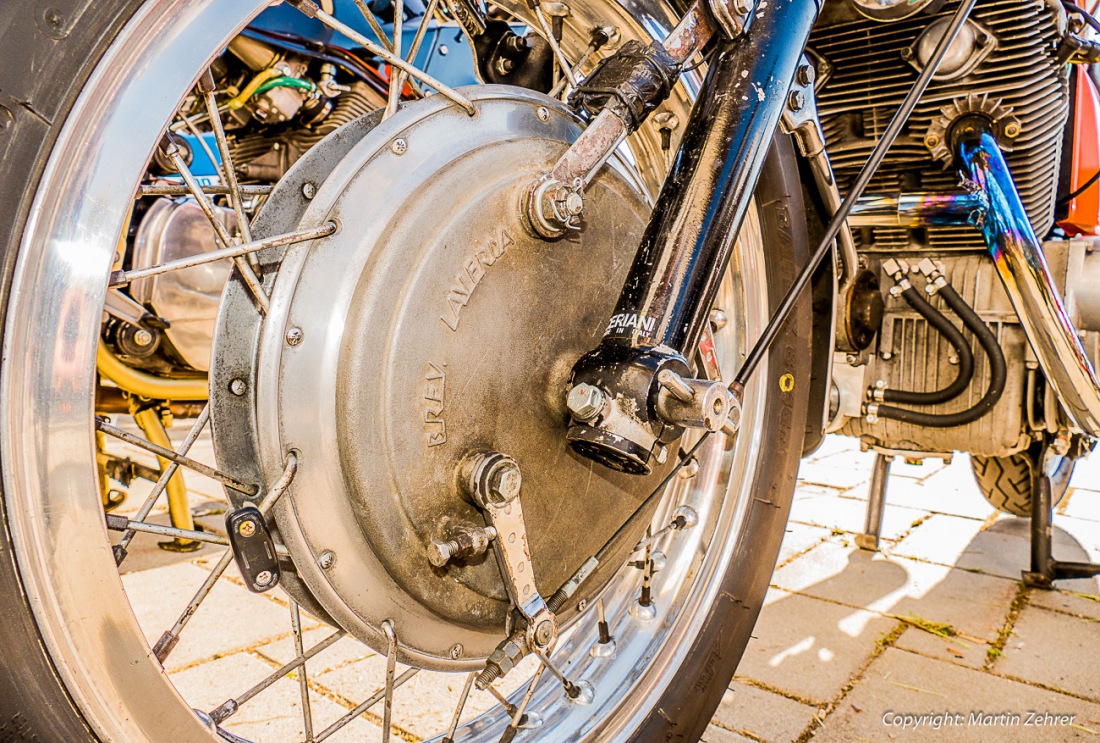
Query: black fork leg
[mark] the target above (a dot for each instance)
(687, 244)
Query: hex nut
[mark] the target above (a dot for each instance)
(585, 401)
(506, 656)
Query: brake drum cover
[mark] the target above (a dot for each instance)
(432, 325)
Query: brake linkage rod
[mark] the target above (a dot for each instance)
(771, 331)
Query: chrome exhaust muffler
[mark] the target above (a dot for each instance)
(1022, 266)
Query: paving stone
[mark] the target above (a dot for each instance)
(973, 604)
(928, 466)
(343, 651)
(810, 648)
(715, 734)
(1053, 649)
(839, 474)
(762, 714)
(828, 559)
(940, 538)
(950, 490)
(274, 714)
(229, 619)
(903, 683)
(799, 538)
(849, 515)
(966, 651)
(1082, 502)
(833, 445)
(1068, 602)
(1005, 549)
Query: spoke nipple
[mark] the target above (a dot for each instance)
(400, 146)
(294, 336)
(326, 559)
(689, 469)
(238, 387)
(646, 612)
(685, 517)
(581, 693)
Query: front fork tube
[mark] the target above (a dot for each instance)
(687, 243)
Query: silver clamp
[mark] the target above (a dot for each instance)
(800, 120)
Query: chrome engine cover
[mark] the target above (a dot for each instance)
(431, 325)
(178, 228)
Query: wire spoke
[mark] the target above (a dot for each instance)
(170, 190)
(376, 27)
(395, 75)
(303, 680)
(570, 77)
(517, 716)
(229, 707)
(171, 456)
(171, 637)
(393, 59)
(162, 482)
(369, 702)
(391, 668)
(122, 278)
(229, 172)
(450, 736)
(249, 276)
(414, 48)
(132, 526)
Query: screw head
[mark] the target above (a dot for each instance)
(456, 651)
(294, 336)
(238, 387)
(806, 74)
(264, 577)
(585, 401)
(544, 633)
(573, 204)
(543, 113)
(400, 146)
(143, 337)
(505, 480)
(326, 559)
(246, 528)
(582, 604)
(309, 189)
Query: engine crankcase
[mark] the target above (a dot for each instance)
(430, 326)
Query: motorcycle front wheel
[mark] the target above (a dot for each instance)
(90, 86)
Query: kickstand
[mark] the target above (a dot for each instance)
(1044, 568)
(876, 504)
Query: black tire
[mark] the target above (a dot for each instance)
(703, 677)
(51, 50)
(70, 36)
(1006, 482)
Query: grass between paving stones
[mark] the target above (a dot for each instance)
(1023, 594)
(886, 641)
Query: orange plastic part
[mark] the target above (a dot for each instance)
(1084, 211)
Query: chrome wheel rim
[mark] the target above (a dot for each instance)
(48, 383)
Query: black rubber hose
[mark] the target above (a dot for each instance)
(998, 373)
(953, 336)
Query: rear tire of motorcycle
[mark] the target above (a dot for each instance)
(1006, 482)
(70, 36)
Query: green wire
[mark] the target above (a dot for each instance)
(284, 82)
